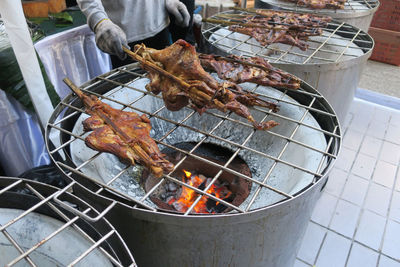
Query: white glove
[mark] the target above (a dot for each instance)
(110, 38)
(180, 12)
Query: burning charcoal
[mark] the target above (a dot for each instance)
(179, 206)
(172, 187)
(168, 194)
(170, 200)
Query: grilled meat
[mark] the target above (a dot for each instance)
(255, 69)
(320, 4)
(176, 72)
(270, 26)
(122, 133)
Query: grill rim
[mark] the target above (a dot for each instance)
(102, 187)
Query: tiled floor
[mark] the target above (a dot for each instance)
(356, 222)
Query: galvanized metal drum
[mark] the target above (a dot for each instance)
(358, 13)
(332, 64)
(36, 231)
(275, 176)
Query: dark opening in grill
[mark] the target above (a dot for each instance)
(229, 187)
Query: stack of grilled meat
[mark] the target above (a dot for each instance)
(270, 26)
(320, 4)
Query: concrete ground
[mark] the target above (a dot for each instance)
(381, 78)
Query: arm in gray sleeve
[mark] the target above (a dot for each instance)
(93, 10)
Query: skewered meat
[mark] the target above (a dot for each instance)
(176, 72)
(269, 26)
(294, 20)
(122, 133)
(320, 4)
(255, 69)
(269, 36)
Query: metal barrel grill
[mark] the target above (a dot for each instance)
(357, 13)
(35, 230)
(283, 170)
(332, 64)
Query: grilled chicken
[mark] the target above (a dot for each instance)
(176, 72)
(122, 133)
(255, 69)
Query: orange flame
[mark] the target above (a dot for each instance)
(188, 196)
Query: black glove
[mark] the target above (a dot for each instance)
(110, 38)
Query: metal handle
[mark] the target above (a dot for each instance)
(79, 213)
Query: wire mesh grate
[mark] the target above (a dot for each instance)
(167, 126)
(37, 227)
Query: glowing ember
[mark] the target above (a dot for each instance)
(188, 196)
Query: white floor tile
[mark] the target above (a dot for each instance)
(378, 198)
(334, 251)
(391, 241)
(311, 243)
(388, 262)
(362, 256)
(385, 174)
(370, 230)
(324, 209)
(355, 190)
(345, 218)
(364, 166)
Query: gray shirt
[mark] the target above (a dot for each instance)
(139, 19)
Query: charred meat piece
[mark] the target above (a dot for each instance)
(255, 69)
(122, 133)
(320, 4)
(176, 72)
(294, 20)
(269, 36)
(269, 26)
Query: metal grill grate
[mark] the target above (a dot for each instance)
(350, 6)
(36, 216)
(310, 102)
(338, 42)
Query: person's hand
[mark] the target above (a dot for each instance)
(110, 38)
(180, 12)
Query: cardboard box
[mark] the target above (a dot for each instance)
(387, 46)
(387, 16)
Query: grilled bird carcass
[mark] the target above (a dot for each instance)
(122, 133)
(320, 4)
(176, 72)
(294, 20)
(269, 26)
(256, 69)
